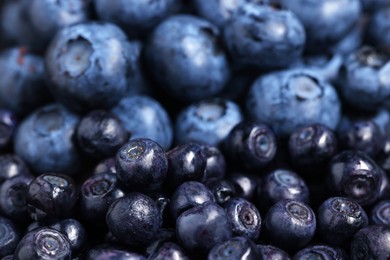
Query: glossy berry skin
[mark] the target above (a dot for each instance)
(106, 252)
(74, 231)
(269, 252)
(250, 145)
(186, 59)
(360, 134)
(100, 134)
(354, 175)
(371, 242)
(364, 78)
(215, 163)
(311, 146)
(377, 30)
(189, 194)
(223, 190)
(264, 37)
(134, 219)
(145, 117)
(44, 140)
(8, 123)
(207, 122)
(137, 18)
(245, 218)
(97, 193)
(245, 184)
(43, 243)
(281, 100)
(84, 72)
(290, 224)
(380, 213)
(282, 184)
(142, 164)
(339, 218)
(9, 236)
(11, 166)
(47, 17)
(186, 162)
(321, 20)
(202, 227)
(23, 77)
(13, 194)
(235, 248)
(51, 196)
(168, 250)
(320, 252)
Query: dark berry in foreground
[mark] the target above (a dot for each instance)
(355, 175)
(74, 231)
(223, 190)
(268, 252)
(339, 218)
(9, 236)
(11, 166)
(105, 252)
(245, 184)
(43, 243)
(371, 242)
(134, 219)
(380, 213)
(202, 227)
(168, 250)
(250, 145)
(290, 224)
(142, 164)
(188, 195)
(8, 123)
(51, 196)
(235, 248)
(215, 163)
(100, 134)
(245, 218)
(323, 252)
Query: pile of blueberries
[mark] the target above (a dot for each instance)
(194, 129)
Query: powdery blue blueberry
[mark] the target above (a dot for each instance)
(145, 117)
(290, 99)
(207, 122)
(186, 59)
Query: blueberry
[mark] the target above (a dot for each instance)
(46, 17)
(186, 59)
(363, 81)
(105, 166)
(269, 252)
(44, 140)
(22, 86)
(13, 194)
(264, 37)
(11, 166)
(245, 184)
(97, 193)
(51, 196)
(142, 164)
(8, 124)
(339, 218)
(100, 134)
(223, 190)
(351, 41)
(377, 29)
(145, 117)
(320, 252)
(186, 162)
(9, 236)
(43, 243)
(355, 175)
(235, 248)
(104, 253)
(74, 231)
(312, 146)
(89, 65)
(282, 184)
(321, 20)
(282, 101)
(372, 5)
(188, 195)
(168, 250)
(371, 242)
(245, 218)
(215, 163)
(380, 213)
(250, 145)
(134, 219)
(137, 18)
(202, 227)
(207, 121)
(290, 224)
